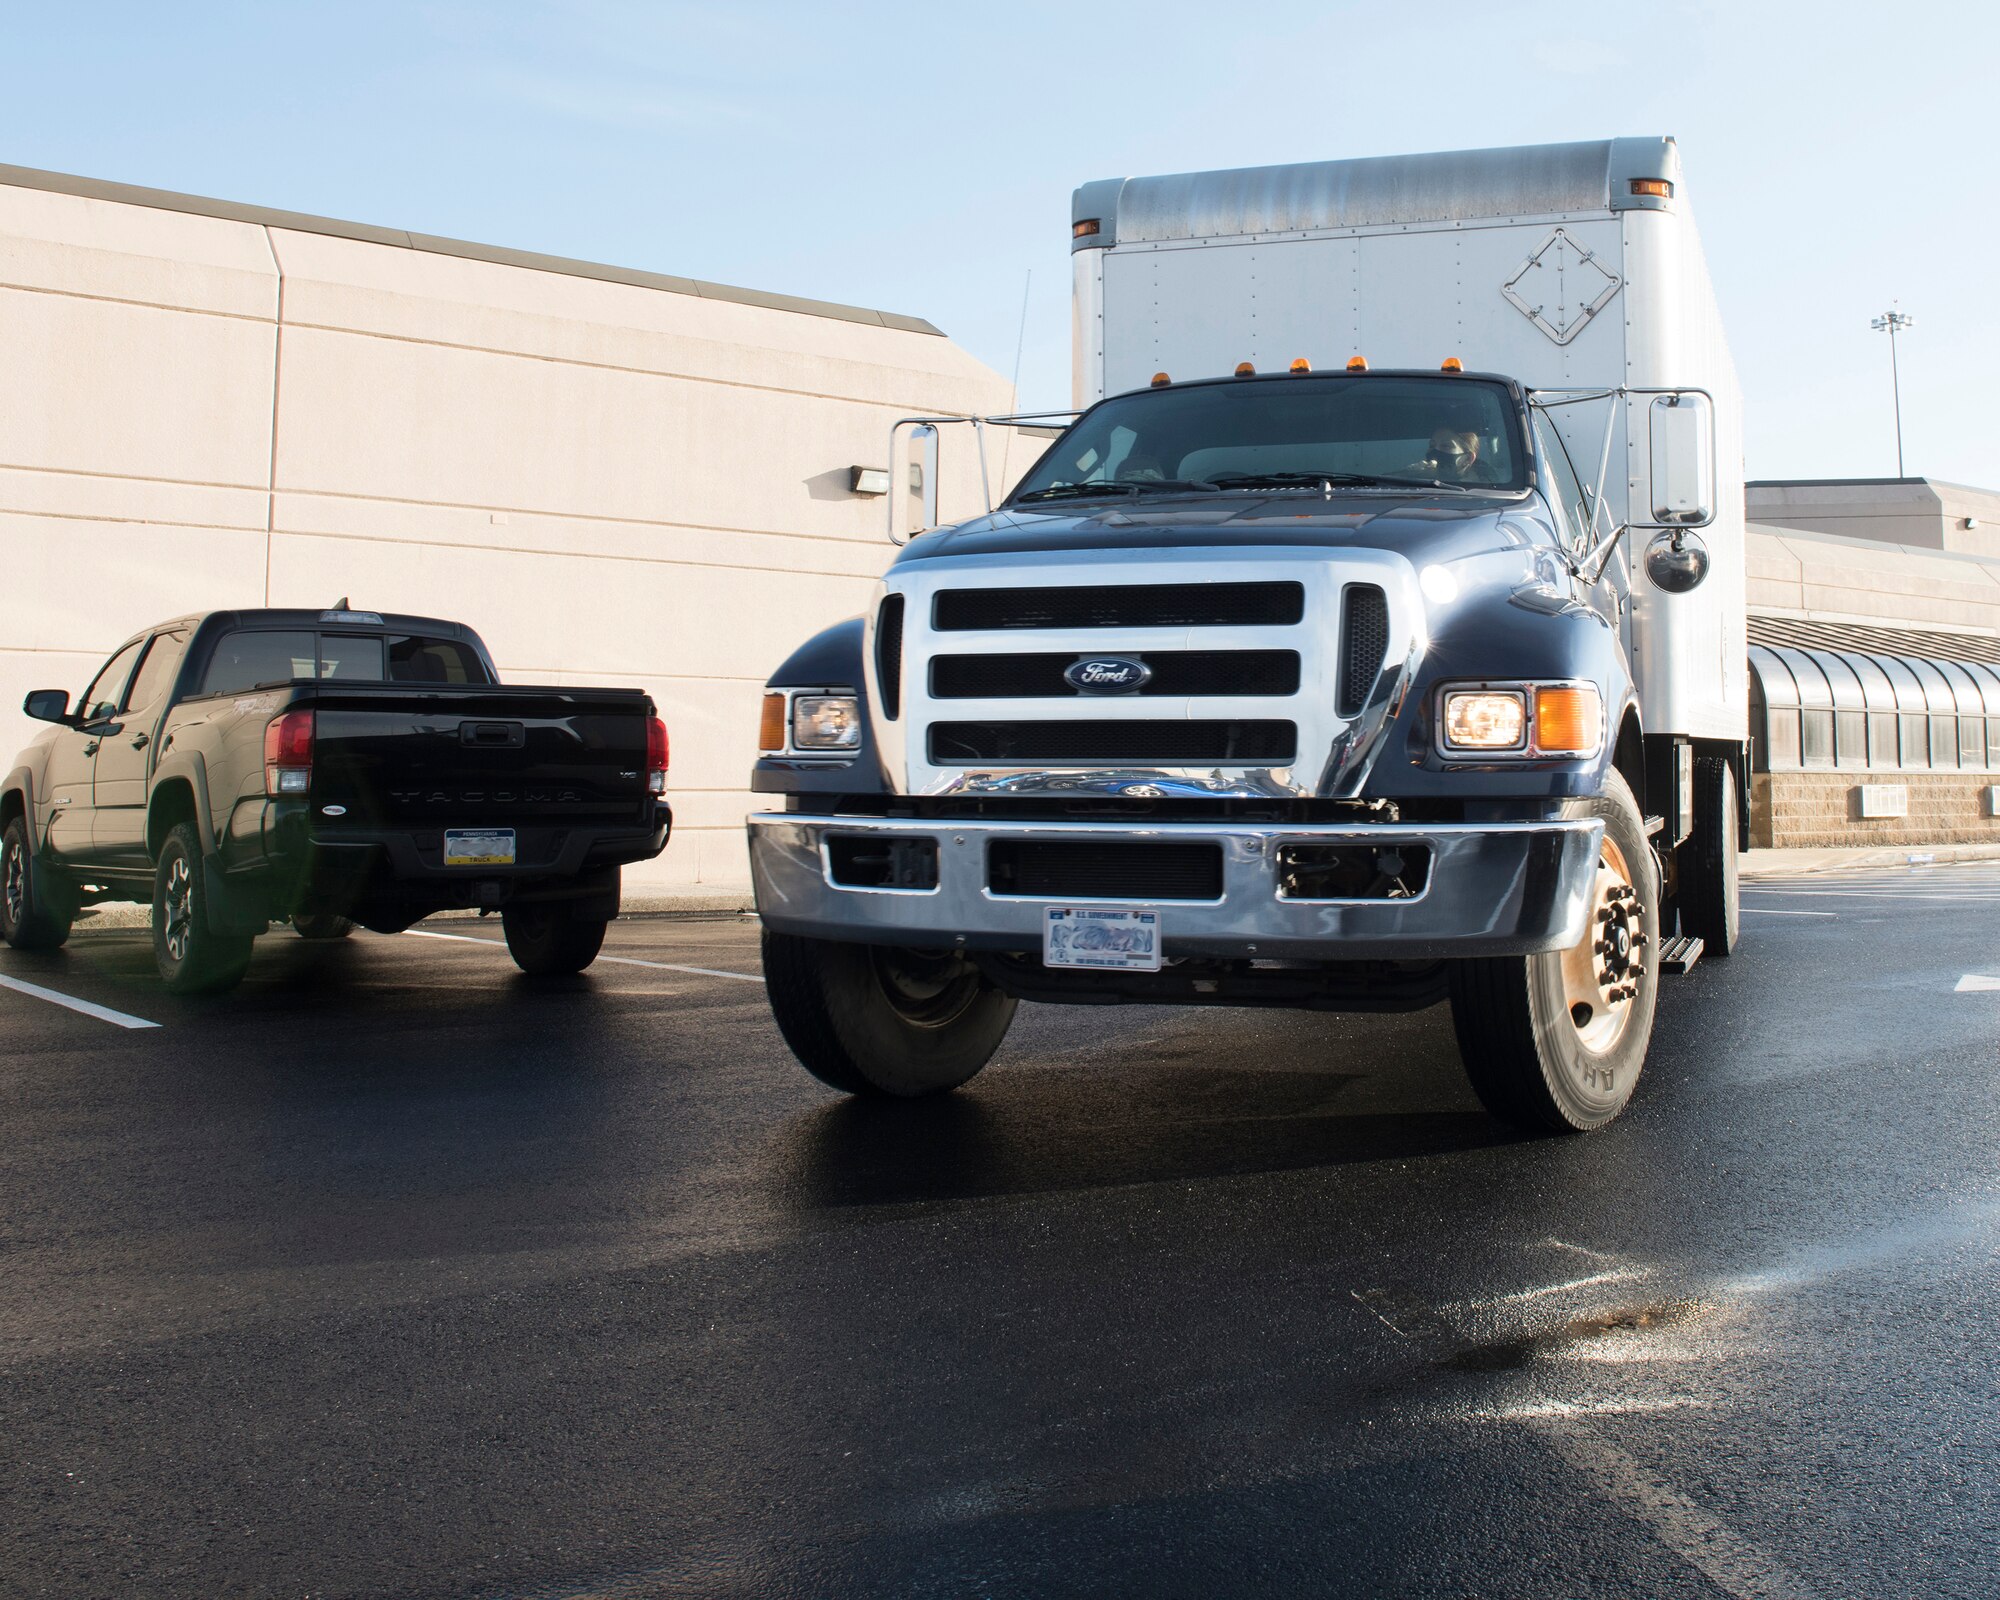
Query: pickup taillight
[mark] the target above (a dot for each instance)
(288, 753)
(656, 756)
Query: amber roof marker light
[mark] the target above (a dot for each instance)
(1357, 363)
(1245, 369)
(1299, 365)
(1452, 364)
(1658, 188)
(1084, 229)
(1161, 380)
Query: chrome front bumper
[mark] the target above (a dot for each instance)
(1494, 889)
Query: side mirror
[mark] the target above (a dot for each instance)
(47, 705)
(1676, 560)
(1680, 431)
(923, 469)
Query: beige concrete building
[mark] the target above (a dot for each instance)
(617, 477)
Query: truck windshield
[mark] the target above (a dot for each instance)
(1303, 432)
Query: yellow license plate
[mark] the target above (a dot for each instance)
(479, 847)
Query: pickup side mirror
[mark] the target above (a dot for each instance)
(47, 705)
(1680, 431)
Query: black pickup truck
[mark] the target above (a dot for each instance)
(327, 768)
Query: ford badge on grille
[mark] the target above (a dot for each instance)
(1107, 675)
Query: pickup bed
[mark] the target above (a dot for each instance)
(327, 769)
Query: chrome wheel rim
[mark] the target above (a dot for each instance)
(177, 907)
(16, 874)
(1602, 970)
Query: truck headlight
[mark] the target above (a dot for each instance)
(826, 722)
(1523, 719)
(1486, 719)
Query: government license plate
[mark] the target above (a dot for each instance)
(1089, 936)
(479, 847)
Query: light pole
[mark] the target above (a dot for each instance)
(1891, 322)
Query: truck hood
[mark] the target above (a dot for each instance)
(1425, 529)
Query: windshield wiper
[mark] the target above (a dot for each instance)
(1082, 491)
(1302, 480)
(1436, 483)
(1329, 481)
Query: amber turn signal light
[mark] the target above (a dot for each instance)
(1568, 720)
(771, 726)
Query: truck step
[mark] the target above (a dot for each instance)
(1680, 954)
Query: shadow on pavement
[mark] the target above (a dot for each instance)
(1218, 1123)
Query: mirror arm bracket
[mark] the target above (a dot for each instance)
(1593, 566)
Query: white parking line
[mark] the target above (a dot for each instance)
(102, 1013)
(623, 961)
(1881, 894)
(1773, 911)
(1731, 1562)
(1972, 982)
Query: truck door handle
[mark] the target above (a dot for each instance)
(140, 742)
(91, 748)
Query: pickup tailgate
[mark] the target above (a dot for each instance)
(542, 761)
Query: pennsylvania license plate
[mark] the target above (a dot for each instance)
(479, 847)
(1089, 936)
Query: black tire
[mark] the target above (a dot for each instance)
(321, 925)
(877, 1020)
(191, 958)
(548, 942)
(27, 920)
(1533, 1060)
(1709, 892)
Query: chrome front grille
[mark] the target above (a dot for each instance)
(1268, 670)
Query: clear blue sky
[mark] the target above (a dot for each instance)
(920, 158)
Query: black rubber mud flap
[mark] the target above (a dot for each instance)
(233, 913)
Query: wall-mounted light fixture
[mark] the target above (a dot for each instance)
(868, 480)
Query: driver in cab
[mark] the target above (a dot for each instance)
(1453, 458)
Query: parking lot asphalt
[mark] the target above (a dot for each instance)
(393, 1273)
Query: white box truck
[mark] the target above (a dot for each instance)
(1373, 637)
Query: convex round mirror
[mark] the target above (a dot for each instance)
(1676, 560)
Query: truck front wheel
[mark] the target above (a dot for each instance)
(1554, 1042)
(879, 1020)
(26, 922)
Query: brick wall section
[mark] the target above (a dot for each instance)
(1820, 810)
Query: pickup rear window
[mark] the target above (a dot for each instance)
(253, 657)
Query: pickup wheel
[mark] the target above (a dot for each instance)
(546, 941)
(879, 1020)
(1710, 899)
(26, 921)
(191, 958)
(1554, 1042)
(321, 925)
